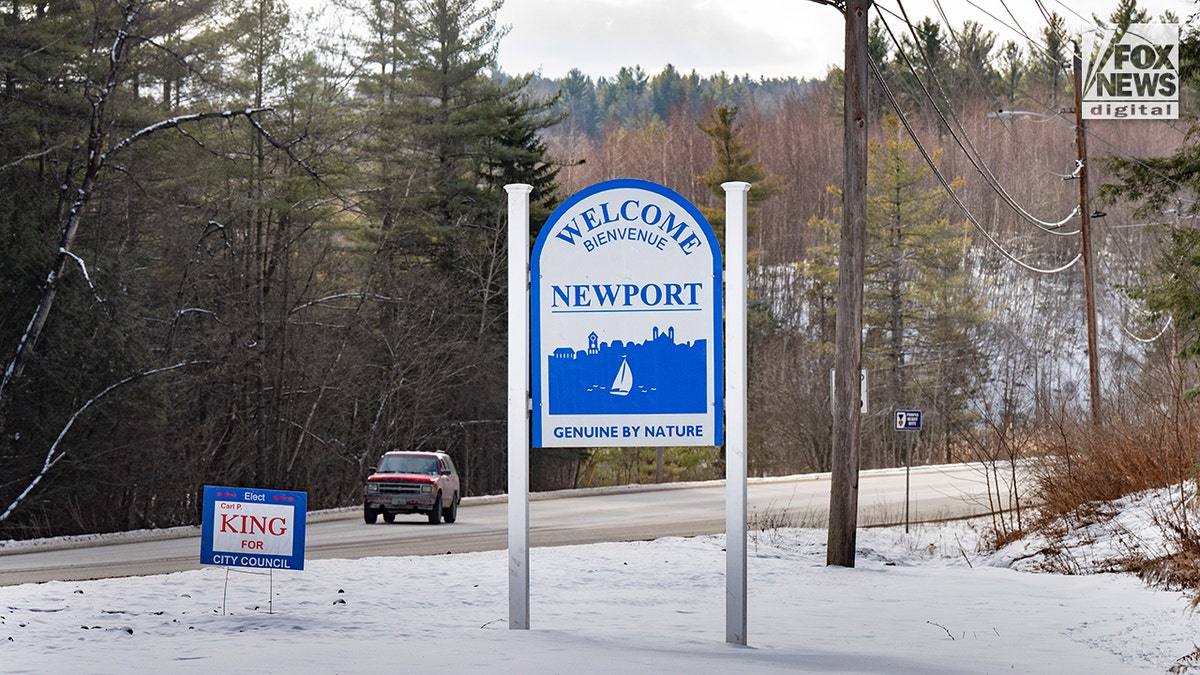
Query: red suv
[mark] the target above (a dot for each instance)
(412, 482)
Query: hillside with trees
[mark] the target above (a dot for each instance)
(237, 249)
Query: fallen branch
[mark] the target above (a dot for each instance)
(53, 454)
(948, 633)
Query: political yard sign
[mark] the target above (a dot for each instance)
(246, 527)
(626, 310)
(1132, 73)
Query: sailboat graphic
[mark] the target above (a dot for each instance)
(624, 380)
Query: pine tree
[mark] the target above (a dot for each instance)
(972, 63)
(733, 161)
(921, 309)
(918, 303)
(1161, 185)
(1126, 14)
(464, 133)
(926, 64)
(669, 93)
(444, 133)
(1050, 56)
(578, 103)
(1012, 71)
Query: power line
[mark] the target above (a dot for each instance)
(1113, 148)
(1147, 341)
(985, 88)
(979, 164)
(950, 190)
(972, 155)
(1042, 8)
(1081, 17)
(982, 166)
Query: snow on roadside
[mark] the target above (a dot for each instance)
(927, 601)
(1100, 537)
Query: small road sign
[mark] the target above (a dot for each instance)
(908, 420)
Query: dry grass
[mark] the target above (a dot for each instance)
(1102, 463)
(767, 525)
(1089, 465)
(1187, 664)
(1180, 568)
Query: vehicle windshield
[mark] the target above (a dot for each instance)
(408, 464)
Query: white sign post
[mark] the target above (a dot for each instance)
(518, 405)
(736, 413)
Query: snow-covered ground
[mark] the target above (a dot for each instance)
(924, 602)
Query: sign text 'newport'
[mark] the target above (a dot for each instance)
(625, 296)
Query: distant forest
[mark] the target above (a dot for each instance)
(238, 250)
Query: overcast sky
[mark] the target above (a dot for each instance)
(768, 38)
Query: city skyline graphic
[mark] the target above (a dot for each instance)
(655, 376)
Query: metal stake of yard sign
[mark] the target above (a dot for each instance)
(907, 475)
(270, 589)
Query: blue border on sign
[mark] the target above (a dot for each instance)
(535, 338)
(209, 556)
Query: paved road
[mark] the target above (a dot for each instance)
(556, 519)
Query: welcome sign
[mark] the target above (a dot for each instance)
(626, 310)
(1132, 73)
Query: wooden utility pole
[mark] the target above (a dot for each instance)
(1085, 232)
(847, 417)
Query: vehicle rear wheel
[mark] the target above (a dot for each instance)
(370, 514)
(435, 514)
(451, 513)
(389, 517)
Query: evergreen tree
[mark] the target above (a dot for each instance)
(1168, 184)
(921, 308)
(577, 101)
(624, 97)
(463, 131)
(1012, 71)
(927, 64)
(1126, 14)
(879, 51)
(445, 132)
(919, 304)
(973, 72)
(1050, 58)
(450, 113)
(733, 161)
(918, 301)
(668, 93)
